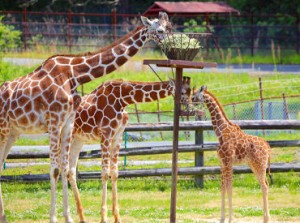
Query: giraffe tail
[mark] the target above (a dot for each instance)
(269, 170)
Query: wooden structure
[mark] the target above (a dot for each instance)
(190, 8)
(196, 170)
(179, 65)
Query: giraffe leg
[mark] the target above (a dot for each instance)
(229, 194)
(6, 143)
(76, 147)
(65, 150)
(54, 134)
(226, 187)
(115, 173)
(105, 176)
(260, 174)
(223, 194)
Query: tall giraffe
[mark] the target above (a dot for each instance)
(101, 115)
(236, 146)
(46, 100)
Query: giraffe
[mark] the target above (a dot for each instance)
(236, 146)
(101, 115)
(46, 100)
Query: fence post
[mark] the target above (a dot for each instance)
(158, 118)
(252, 34)
(114, 22)
(261, 99)
(234, 111)
(270, 110)
(125, 146)
(70, 31)
(285, 108)
(199, 155)
(297, 33)
(25, 27)
(138, 118)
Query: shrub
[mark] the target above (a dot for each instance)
(9, 37)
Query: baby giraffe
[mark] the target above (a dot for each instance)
(101, 115)
(236, 146)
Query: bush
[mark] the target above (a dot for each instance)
(9, 37)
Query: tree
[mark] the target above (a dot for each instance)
(9, 37)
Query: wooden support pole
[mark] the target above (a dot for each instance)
(199, 157)
(178, 86)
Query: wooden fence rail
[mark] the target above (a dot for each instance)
(147, 150)
(199, 148)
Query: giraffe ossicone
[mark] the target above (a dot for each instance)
(46, 100)
(236, 146)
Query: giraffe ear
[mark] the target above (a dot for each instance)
(164, 16)
(194, 90)
(203, 88)
(146, 21)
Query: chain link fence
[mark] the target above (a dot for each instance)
(284, 108)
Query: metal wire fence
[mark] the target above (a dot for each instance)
(275, 108)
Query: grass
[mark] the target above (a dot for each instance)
(148, 199)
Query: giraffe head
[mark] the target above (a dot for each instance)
(171, 86)
(186, 90)
(157, 28)
(198, 96)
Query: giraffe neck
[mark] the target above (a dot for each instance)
(218, 116)
(132, 92)
(111, 57)
(80, 69)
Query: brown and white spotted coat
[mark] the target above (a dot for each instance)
(236, 146)
(46, 100)
(102, 116)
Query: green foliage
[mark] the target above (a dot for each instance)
(9, 37)
(9, 71)
(180, 41)
(194, 27)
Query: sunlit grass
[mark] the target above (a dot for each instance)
(148, 200)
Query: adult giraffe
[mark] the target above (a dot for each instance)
(46, 100)
(102, 116)
(236, 146)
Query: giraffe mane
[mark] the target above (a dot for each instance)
(120, 81)
(220, 106)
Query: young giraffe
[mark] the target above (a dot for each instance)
(101, 115)
(236, 146)
(46, 100)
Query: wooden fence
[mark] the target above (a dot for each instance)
(199, 147)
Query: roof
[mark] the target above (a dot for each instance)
(189, 8)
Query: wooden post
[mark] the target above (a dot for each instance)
(178, 85)
(261, 102)
(297, 24)
(285, 108)
(158, 118)
(138, 117)
(252, 34)
(261, 99)
(114, 23)
(25, 27)
(199, 155)
(234, 111)
(70, 31)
